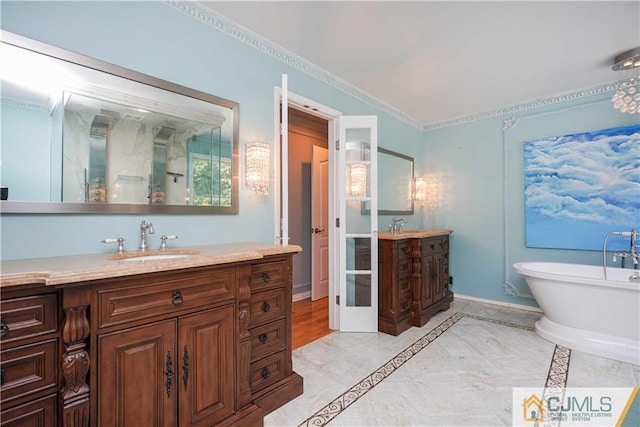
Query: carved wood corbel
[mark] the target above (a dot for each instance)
(75, 367)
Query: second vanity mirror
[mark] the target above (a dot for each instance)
(395, 188)
(83, 136)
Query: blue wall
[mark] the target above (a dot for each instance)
(157, 39)
(481, 167)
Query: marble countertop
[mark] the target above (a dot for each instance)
(413, 234)
(79, 268)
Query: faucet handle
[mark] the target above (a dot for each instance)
(119, 241)
(163, 241)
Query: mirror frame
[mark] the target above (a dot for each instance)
(367, 211)
(45, 207)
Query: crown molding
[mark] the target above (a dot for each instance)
(240, 33)
(516, 108)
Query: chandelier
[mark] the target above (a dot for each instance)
(627, 96)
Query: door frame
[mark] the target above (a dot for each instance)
(314, 108)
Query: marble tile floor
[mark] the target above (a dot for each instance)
(447, 373)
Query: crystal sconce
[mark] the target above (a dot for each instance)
(357, 180)
(257, 167)
(428, 191)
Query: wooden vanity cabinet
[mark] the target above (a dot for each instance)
(29, 356)
(413, 281)
(199, 346)
(166, 350)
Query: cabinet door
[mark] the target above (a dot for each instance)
(429, 277)
(206, 378)
(137, 376)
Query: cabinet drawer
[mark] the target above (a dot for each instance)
(404, 268)
(404, 303)
(140, 301)
(39, 413)
(267, 306)
(28, 317)
(404, 249)
(268, 339)
(434, 245)
(267, 371)
(268, 275)
(28, 369)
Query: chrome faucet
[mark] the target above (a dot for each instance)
(396, 224)
(633, 254)
(145, 227)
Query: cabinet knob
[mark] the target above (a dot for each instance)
(263, 337)
(266, 277)
(177, 298)
(265, 306)
(4, 328)
(265, 372)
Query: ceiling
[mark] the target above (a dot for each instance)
(437, 61)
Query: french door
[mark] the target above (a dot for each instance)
(357, 223)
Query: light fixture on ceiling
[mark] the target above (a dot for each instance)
(627, 96)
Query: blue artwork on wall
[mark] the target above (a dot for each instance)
(580, 187)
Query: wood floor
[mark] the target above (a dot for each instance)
(310, 321)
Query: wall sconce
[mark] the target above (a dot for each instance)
(357, 180)
(419, 191)
(428, 191)
(257, 167)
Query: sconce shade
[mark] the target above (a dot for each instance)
(357, 180)
(257, 167)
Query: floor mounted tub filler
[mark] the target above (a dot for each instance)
(585, 312)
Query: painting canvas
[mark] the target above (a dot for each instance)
(582, 186)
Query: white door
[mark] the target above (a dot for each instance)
(358, 223)
(319, 223)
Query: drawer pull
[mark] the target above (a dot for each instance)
(266, 277)
(177, 298)
(169, 373)
(185, 367)
(263, 337)
(266, 307)
(433, 247)
(265, 372)
(4, 328)
(2, 377)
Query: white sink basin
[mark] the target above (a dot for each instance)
(156, 257)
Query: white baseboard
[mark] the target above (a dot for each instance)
(301, 296)
(501, 303)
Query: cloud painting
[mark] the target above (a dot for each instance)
(580, 187)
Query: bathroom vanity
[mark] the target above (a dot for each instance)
(199, 338)
(413, 278)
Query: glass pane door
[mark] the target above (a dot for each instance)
(358, 226)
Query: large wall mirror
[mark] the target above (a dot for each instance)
(83, 136)
(395, 185)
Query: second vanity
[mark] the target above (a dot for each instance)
(192, 337)
(413, 278)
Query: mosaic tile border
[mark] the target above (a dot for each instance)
(555, 383)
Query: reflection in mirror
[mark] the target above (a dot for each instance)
(112, 140)
(395, 186)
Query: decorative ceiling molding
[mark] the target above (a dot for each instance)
(232, 29)
(515, 108)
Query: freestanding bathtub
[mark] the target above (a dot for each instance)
(583, 311)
